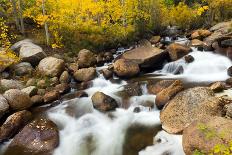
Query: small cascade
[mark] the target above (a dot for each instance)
(206, 67)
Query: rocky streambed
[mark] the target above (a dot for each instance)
(164, 96)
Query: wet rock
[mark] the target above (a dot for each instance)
(37, 100)
(220, 30)
(200, 34)
(226, 43)
(187, 106)
(13, 124)
(126, 68)
(196, 43)
(62, 88)
(107, 73)
(146, 56)
(189, 59)
(4, 106)
(205, 136)
(64, 77)
(31, 53)
(23, 68)
(31, 90)
(131, 89)
(39, 137)
(138, 137)
(177, 51)
(229, 71)
(17, 99)
(85, 74)
(51, 66)
(155, 39)
(86, 59)
(51, 96)
(159, 86)
(11, 84)
(217, 87)
(103, 102)
(168, 93)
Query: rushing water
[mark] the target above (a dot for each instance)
(85, 131)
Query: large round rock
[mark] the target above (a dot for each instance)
(85, 74)
(126, 68)
(17, 99)
(86, 59)
(40, 137)
(177, 51)
(103, 102)
(51, 66)
(208, 136)
(190, 105)
(4, 106)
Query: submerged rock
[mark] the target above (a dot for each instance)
(189, 59)
(168, 93)
(51, 66)
(17, 99)
(187, 106)
(208, 137)
(126, 68)
(39, 137)
(103, 102)
(146, 56)
(138, 137)
(177, 51)
(107, 73)
(13, 124)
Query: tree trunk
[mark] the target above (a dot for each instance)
(15, 14)
(45, 24)
(21, 17)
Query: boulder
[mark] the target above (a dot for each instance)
(212, 136)
(23, 68)
(177, 51)
(86, 59)
(11, 84)
(217, 87)
(17, 99)
(40, 137)
(85, 74)
(31, 53)
(159, 86)
(31, 90)
(226, 43)
(197, 43)
(190, 105)
(51, 66)
(73, 67)
(13, 124)
(155, 39)
(168, 93)
(31, 82)
(228, 110)
(229, 71)
(131, 89)
(200, 34)
(189, 59)
(107, 73)
(64, 77)
(103, 102)
(126, 68)
(62, 88)
(4, 106)
(37, 100)
(138, 137)
(73, 95)
(51, 96)
(146, 56)
(219, 31)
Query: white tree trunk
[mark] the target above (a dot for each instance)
(21, 17)
(45, 24)
(15, 14)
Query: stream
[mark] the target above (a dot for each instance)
(85, 131)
